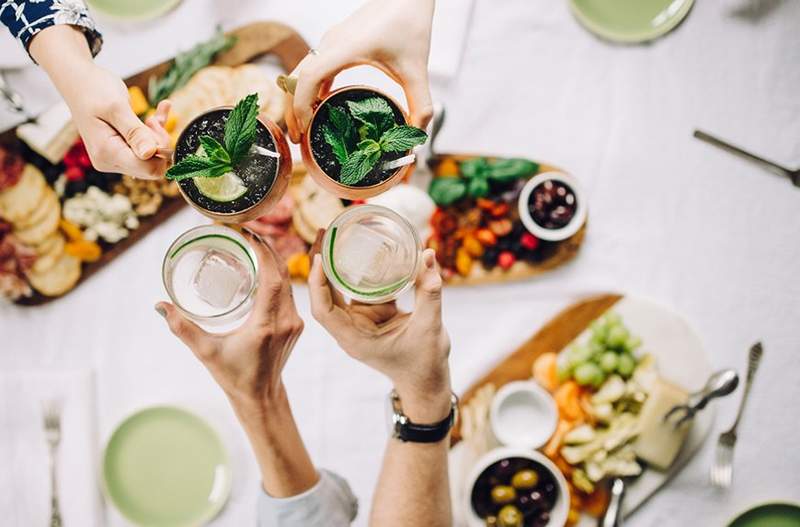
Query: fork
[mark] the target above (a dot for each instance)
(721, 473)
(52, 433)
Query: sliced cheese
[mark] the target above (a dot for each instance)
(659, 442)
(52, 135)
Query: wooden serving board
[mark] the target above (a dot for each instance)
(565, 251)
(679, 355)
(252, 41)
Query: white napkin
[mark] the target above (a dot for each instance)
(24, 477)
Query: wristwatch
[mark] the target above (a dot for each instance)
(403, 429)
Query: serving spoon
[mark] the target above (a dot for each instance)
(793, 175)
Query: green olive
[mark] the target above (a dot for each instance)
(502, 494)
(509, 516)
(525, 479)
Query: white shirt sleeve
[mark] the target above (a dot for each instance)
(329, 503)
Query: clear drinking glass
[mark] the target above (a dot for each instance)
(371, 254)
(210, 273)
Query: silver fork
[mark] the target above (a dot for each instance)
(52, 432)
(721, 473)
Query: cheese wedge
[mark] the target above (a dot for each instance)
(659, 442)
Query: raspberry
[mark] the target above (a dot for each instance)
(506, 259)
(74, 173)
(529, 241)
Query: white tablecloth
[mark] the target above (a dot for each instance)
(670, 218)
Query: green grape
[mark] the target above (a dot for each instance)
(613, 319)
(617, 336)
(626, 364)
(588, 373)
(563, 367)
(579, 355)
(596, 349)
(609, 361)
(633, 343)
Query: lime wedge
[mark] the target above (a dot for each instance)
(224, 188)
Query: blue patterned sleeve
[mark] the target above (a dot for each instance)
(25, 18)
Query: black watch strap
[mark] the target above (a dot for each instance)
(434, 433)
(406, 431)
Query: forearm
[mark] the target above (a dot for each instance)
(286, 467)
(62, 51)
(413, 488)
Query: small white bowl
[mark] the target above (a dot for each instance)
(560, 510)
(523, 414)
(553, 235)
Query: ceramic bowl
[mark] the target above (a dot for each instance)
(523, 415)
(553, 235)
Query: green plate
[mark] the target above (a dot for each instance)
(133, 9)
(166, 467)
(769, 515)
(630, 21)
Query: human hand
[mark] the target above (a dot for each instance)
(247, 363)
(115, 138)
(394, 36)
(410, 348)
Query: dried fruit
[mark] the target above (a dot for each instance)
(443, 223)
(485, 204)
(299, 265)
(486, 237)
(506, 259)
(84, 250)
(472, 246)
(448, 167)
(499, 210)
(73, 232)
(463, 262)
(501, 227)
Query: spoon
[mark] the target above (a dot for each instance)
(793, 175)
(719, 384)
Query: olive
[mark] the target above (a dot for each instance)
(503, 494)
(504, 469)
(525, 479)
(526, 505)
(537, 498)
(550, 492)
(509, 516)
(491, 521)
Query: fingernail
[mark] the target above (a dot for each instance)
(161, 311)
(428, 257)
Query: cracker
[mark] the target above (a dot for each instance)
(59, 279)
(47, 259)
(38, 232)
(48, 201)
(20, 200)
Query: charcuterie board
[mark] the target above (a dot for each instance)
(251, 42)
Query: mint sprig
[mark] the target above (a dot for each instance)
(362, 132)
(216, 159)
(474, 177)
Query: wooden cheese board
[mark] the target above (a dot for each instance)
(676, 348)
(252, 42)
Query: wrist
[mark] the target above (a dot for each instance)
(426, 403)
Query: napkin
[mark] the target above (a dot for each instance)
(25, 478)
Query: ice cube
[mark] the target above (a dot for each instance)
(219, 277)
(365, 255)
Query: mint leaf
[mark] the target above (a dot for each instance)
(506, 170)
(336, 143)
(374, 111)
(445, 191)
(213, 149)
(402, 138)
(344, 126)
(358, 165)
(197, 166)
(241, 128)
(367, 131)
(368, 146)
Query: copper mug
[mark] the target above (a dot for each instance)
(276, 191)
(313, 168)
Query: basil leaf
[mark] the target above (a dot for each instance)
(506, 170)
(445, 191)
(197, 166)
(213, 149)
(241, 128)
(478, 187)
(336, 143)
(358, 165)
(402, 138)
(475, 167)
(344, 127)
(374, 111)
